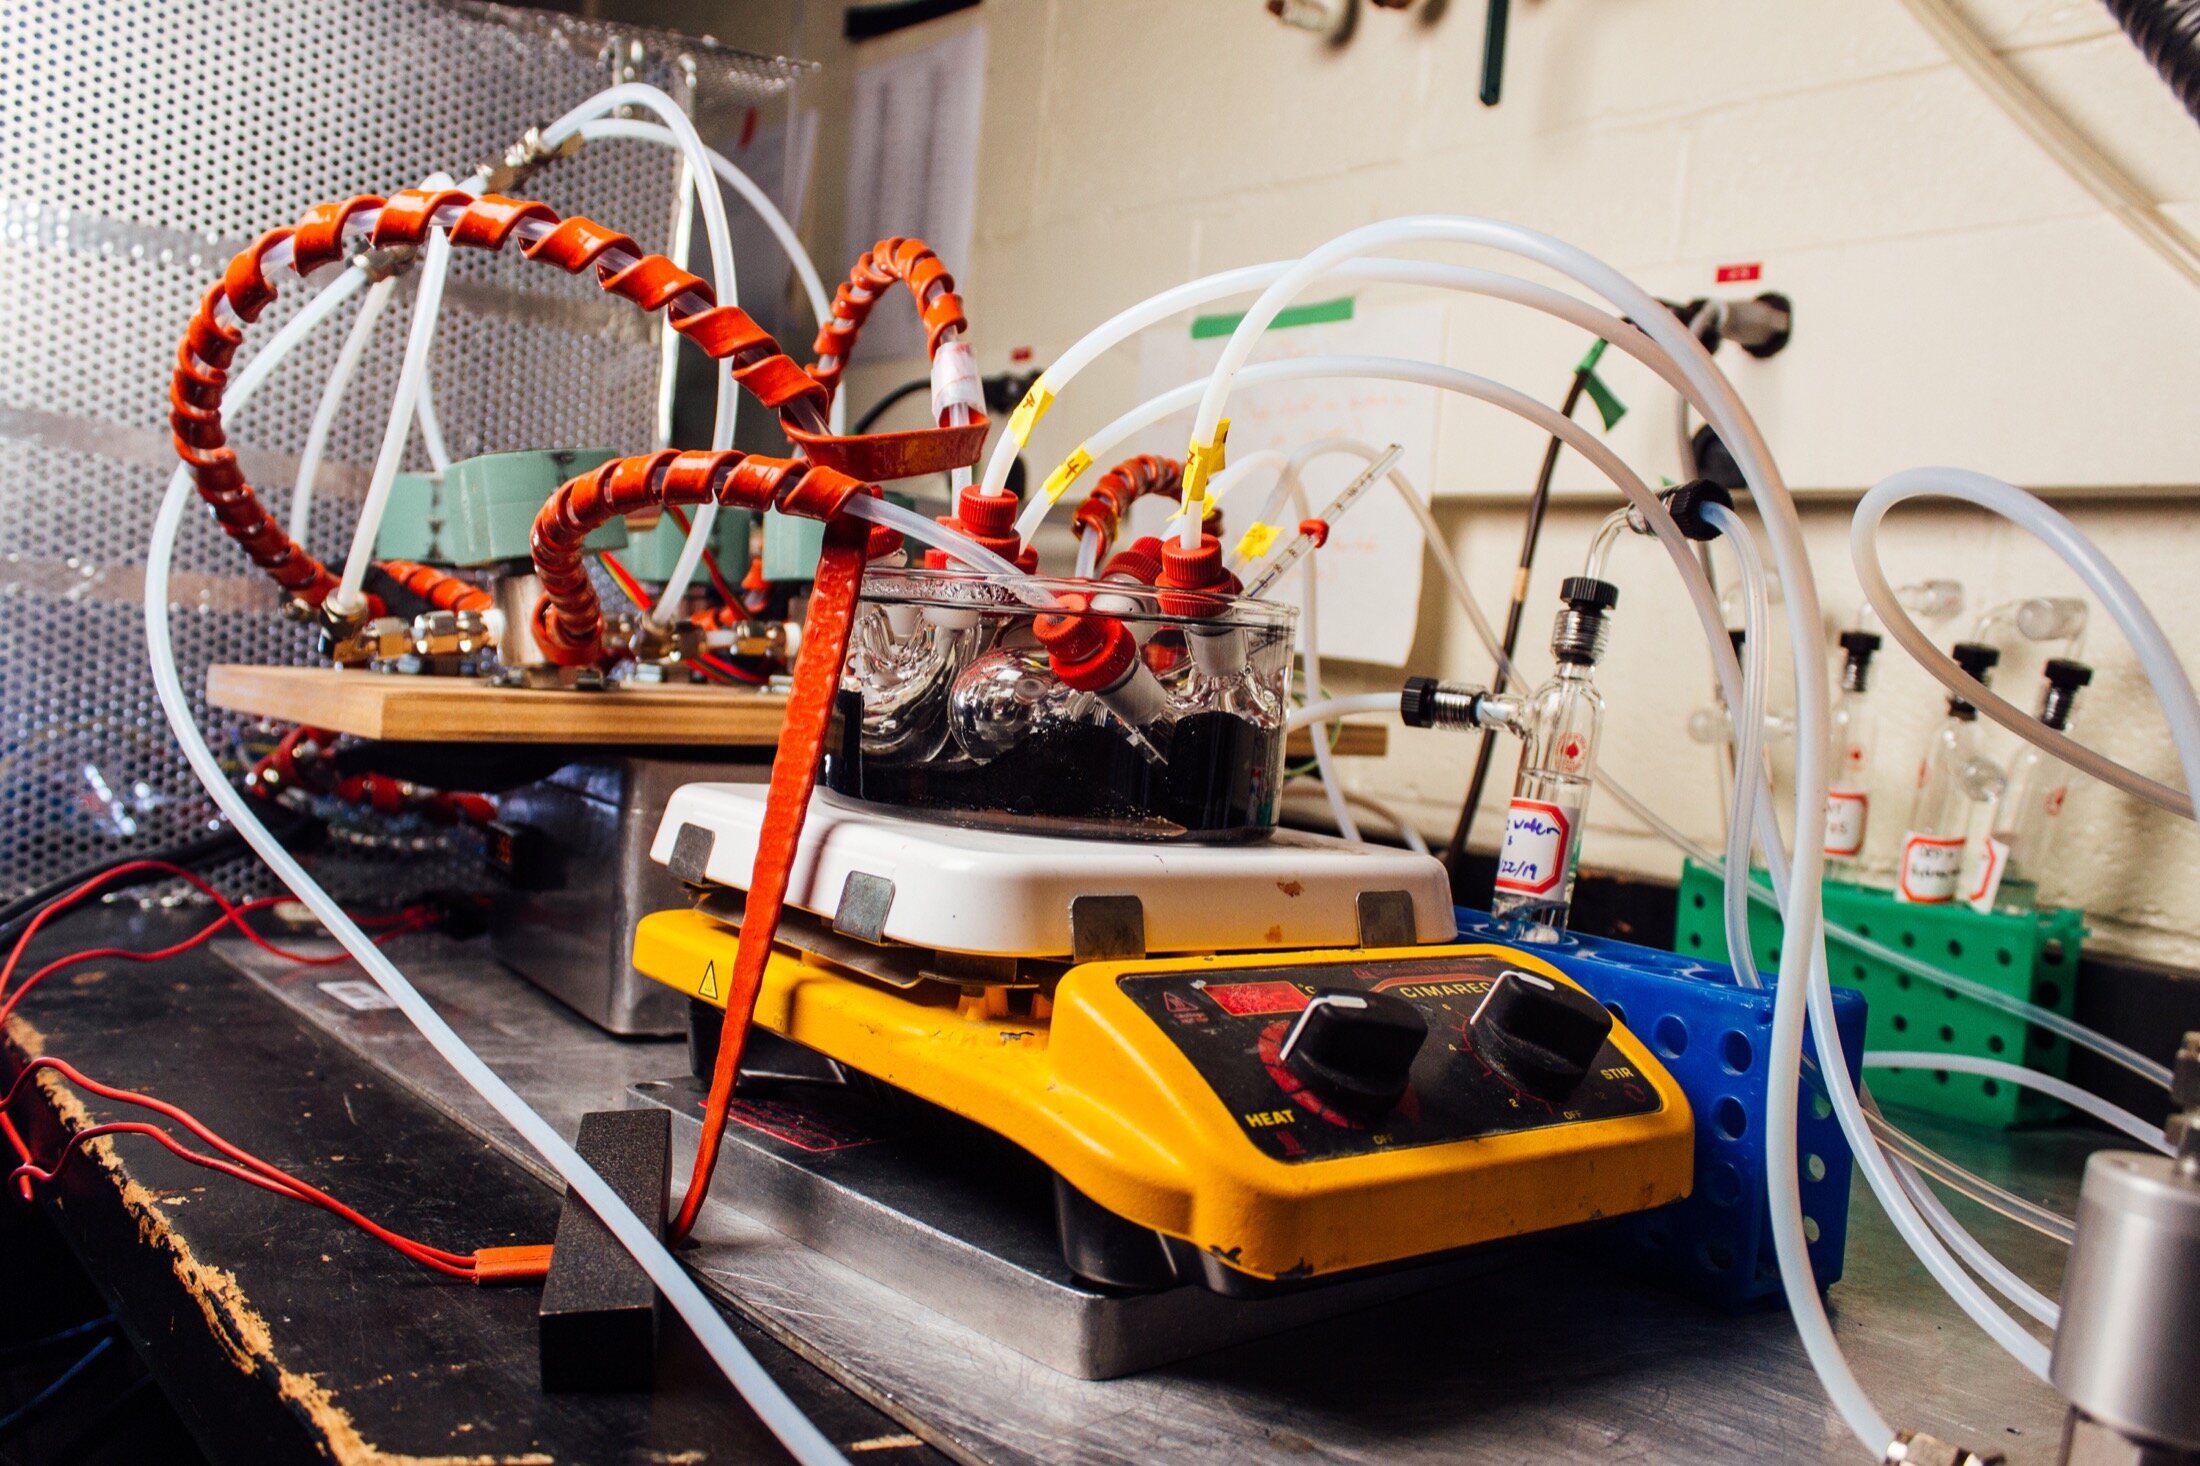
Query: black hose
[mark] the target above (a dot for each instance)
(2168, 33)
(294, 829)
(877, 409)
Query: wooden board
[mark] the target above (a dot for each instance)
(468, 710)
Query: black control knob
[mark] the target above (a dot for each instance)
(1545, 1035)
(1355, 1050)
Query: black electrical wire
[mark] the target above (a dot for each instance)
(879, 408)
(2168, 33)
(1530, 535)
(289, 826)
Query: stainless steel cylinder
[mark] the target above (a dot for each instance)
(2130, 1331)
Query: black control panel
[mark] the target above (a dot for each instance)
(1322, 1060)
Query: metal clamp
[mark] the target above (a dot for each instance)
(1388, 919)
(1107, 929)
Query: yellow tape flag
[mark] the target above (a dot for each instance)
(1029, 411)
(1257, 540)
(1065, 473)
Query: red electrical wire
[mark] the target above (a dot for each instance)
(729, 670)
(242, 1164)
(567, 621)
(626, 580)
(231, 913)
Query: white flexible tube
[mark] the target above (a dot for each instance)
(1310, 658)
(1341, 707)
(332, 399)
(2053, 529)
(1974, 1253)
(771, 1404)
(1723, 663)
(1404, 827)
(1497, 286)
(1088, 552)
(1748, 722)
(2087, 166)
(2047, 1084)
(349, 596)
(1393, 369)
(431, 428)
(2123, 1055)
(718, 234)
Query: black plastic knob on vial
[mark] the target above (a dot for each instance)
(1687, 504)
(1586, 593)
(1544, 1034)
(2064, 678)
(1355, 1050)
(1976, 658)
(1416, 702)
(1860, 646)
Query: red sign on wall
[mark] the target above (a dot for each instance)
(1740, 274)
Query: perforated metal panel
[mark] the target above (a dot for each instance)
(141, 143)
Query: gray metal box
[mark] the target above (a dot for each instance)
(578, 878)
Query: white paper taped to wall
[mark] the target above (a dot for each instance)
(913, 167)
(1369, 587)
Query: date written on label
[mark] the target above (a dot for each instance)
(1533, 859)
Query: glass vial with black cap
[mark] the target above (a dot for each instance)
(1853, 745)
(1558, 726)
(2022, 835)
(1953, 779)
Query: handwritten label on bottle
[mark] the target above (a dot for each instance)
(1928, 870)
(1993, 863)
(1846, 810)
(1537, 836)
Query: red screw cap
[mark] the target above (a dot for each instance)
(1196, 569)
(1089, 652)
(984, 515)
(1141, 560)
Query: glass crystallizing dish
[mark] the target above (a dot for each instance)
(1064, 707)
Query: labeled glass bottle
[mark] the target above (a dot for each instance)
(2018, 842)
(1558, 725)
(1953, 778)
(1849, 769)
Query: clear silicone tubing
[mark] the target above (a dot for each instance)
(1924, 1158)
(2156, 658)
(2047, 1084)
(1801, 960)
(1749, 730)
(785, 1420)
(1976, 1187)
(1310, 656)
(1973, 1253)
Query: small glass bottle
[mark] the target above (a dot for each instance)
(2022, 834)
(1849, 770)
(1558, 725)
(1952, 778)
